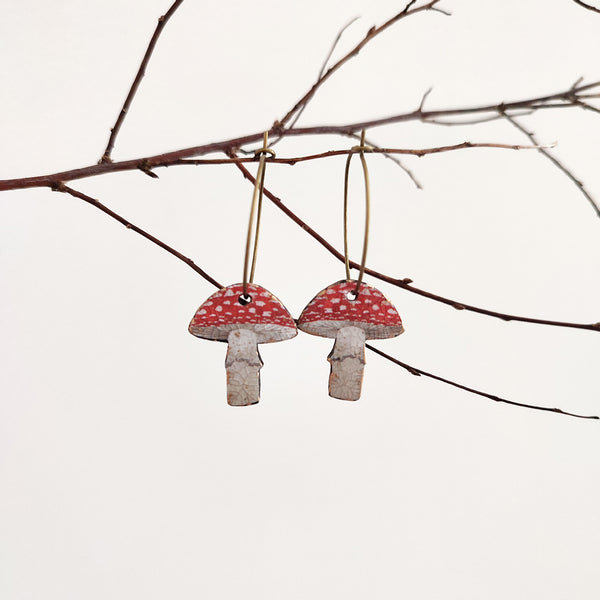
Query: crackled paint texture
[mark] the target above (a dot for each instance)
(337, 312)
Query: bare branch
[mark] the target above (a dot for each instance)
(372, 33)
(476, 121)
(565, 99)
(424, 98)
(338, 37)
(162, 21)
(388, 152)
(171, 159)
(418, 372)
(587, 6)
(321, 71)
(406, 282)
(61, 187)
(396, 161)
(557, 163)
(587, 106)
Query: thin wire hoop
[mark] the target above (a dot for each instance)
(256, 207)
(360, 150)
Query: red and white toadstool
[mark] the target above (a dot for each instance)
(243, 321)
(338, 312)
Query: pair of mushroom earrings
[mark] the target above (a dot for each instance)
(245, 314)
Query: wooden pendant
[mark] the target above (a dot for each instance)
(243, 321)
(351, 319)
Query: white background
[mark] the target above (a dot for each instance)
(123, 472)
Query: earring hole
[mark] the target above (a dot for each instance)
(245, 299)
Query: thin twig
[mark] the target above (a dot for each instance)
(61, 187)
(338, 37)
(388, 152)
(587, 106)
(162, 21)
(321, 71)
(556, 162)
(592, 8)
(171, 160)
(475, 121)
(372, 33)
(418, 372)
(406, 282)
(389, 156)
(424, 98)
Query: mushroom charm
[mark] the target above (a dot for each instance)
(243, 321)
(339, 312)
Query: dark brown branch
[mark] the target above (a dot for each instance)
(406, 282)
(61, 187)
(125, 165)
(162, 21)
(587, 6)
(568, 99)
(372, 33)
(557, 163)
(418, 372)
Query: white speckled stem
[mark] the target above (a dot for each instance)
(243, 364)
(347, 364)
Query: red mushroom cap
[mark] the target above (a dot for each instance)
(336, 307)
(225, 312)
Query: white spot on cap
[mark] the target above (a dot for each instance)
(343, 307)
(267, 313)
(202, 312)
(260, 303)
(252, 310)
(219, 308)
(375, 306)
(335, 300)
(392, 311)
(329, 310)
(229, 292)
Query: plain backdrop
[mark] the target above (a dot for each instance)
(123, 472)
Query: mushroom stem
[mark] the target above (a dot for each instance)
(347, 361)
(243, 364)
